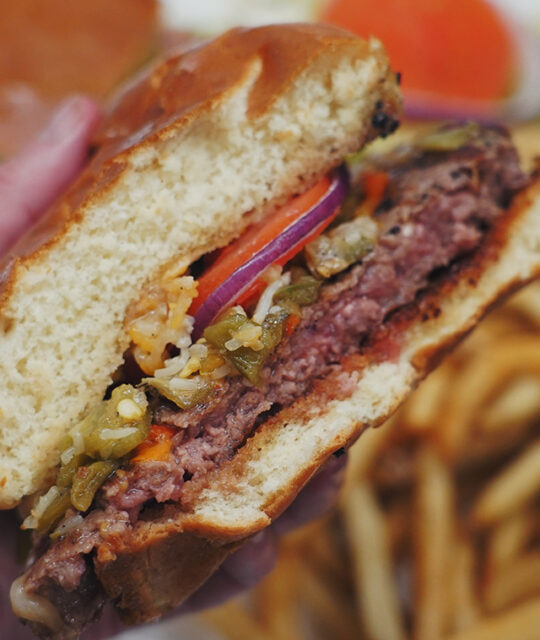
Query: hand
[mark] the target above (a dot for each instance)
(28, 184)
(31, 181)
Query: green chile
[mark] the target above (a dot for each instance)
(333, 252)
(303, 291)
(77, 480)
(68, 470)
(449, 139)
(88, 480)
(182, 399)
(97, 443)
(54, 511)
(245, 359)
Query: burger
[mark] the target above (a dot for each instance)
(231, 292)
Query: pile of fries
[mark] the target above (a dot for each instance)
(438, 532)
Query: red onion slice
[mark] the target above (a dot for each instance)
(292, 236)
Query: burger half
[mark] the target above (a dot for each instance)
(230, 293)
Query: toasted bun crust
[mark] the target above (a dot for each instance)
(247, 493)
(191, 154)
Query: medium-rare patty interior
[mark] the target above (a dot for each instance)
(436, 208)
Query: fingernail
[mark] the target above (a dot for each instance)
(65, 121)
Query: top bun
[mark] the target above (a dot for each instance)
(204, 144)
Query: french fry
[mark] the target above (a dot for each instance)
(527, 139)
(480, 381)
(235, 622)
(527, 303)
(518, 404)
(433, 544)
(363, 453)
(422, 410)
(492, 332)
(508, 539)
(513, 488)
(520, 623)
(377, 598)
(398, 523)
(513, 583)
(275, 601)
(314, 543)
(464, 607)
(326, 606)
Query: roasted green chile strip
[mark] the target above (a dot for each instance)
(211, 361)
(336, 250)
(107, 433)
(303, 291)
(184, 399)
(55, 510)
(449, 139)
(88, 480)
(68, 470)
(245, 359)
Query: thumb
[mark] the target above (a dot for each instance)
(31, 181)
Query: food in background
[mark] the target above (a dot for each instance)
(458, 58)
(460, 48)
(55, 48)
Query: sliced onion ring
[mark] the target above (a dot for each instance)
(228, 291)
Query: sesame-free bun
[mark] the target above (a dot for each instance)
(193, 152)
